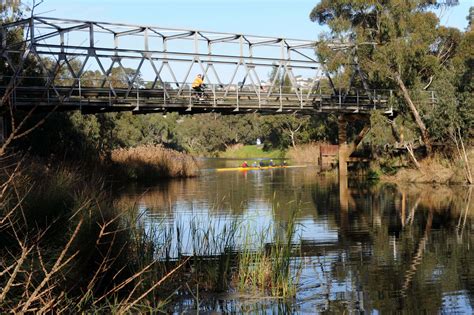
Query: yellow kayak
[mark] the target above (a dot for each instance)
(251, 168)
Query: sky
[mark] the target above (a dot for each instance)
(274, 18)
(278, 18)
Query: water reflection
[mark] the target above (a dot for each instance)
(373, 248)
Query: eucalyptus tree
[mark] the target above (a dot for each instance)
(395, 44)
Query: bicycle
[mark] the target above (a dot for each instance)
(199, 94)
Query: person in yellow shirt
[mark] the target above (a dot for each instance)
(198, 85)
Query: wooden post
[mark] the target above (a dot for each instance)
(343, 146)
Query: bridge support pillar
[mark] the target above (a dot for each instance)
(345, 148)
(345, 151)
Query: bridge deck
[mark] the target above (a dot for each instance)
(95, 100)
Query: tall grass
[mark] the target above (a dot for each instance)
(65, 246)
(267, 270)
(150, 162)
(305, 153)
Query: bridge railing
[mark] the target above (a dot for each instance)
(90, 91)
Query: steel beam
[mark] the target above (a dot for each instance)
(242, 91)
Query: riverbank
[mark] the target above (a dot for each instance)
(251, 151)
(438, 170)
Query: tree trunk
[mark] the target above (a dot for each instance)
(416, 115)
(292, 136)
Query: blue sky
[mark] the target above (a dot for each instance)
(275, 18)
(279, 18)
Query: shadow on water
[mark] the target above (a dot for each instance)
(363, 247)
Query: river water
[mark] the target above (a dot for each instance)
(364, 247)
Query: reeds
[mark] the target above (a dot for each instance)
(64, 247)
(149, 162)
(305, 153)
(80, 253)
(268, 269)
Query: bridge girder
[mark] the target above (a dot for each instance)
(90, 64)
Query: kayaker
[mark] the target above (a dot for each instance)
(271, 163)
(244, 164)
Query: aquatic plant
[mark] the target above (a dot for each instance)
(78, 253)
(83, 253)
(268, 269)
(149, 162)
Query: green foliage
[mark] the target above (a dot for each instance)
(373, 174)
(380, 132)
(403, 38)
(252, 151)
(444, 115)
(203, 133)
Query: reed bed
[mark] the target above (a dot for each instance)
(149, 162)
(268, 270)
(66, 247)
(305, 153)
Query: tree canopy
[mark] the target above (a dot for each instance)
(399, 44)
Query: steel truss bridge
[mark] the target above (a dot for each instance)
(102, 67)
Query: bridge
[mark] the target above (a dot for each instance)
(101, 67)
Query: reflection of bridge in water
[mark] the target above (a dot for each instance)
(102, 67)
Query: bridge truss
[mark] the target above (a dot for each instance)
(102, 67)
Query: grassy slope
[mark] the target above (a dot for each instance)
(252, 151)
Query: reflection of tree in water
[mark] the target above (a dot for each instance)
(159, 198)
(230, 193)
(400, 249)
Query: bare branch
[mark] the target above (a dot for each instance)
(130, 305)
(56, 267)
(24, 253)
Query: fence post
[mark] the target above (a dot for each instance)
(80, 94)
(340, 100)
(237, 96)
(357, 99)
(214, 101)
(138, 99)
(281, 100)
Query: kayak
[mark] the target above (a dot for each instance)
(251, 168)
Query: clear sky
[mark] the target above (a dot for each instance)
(275, 18)
(279, 18)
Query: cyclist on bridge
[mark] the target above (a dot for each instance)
(198, 86)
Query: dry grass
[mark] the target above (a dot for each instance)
(432, 170)
(306, 153)
(65, 248)
(147, 162)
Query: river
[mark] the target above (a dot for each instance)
(364, 246)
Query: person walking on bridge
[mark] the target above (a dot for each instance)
(198, 86)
